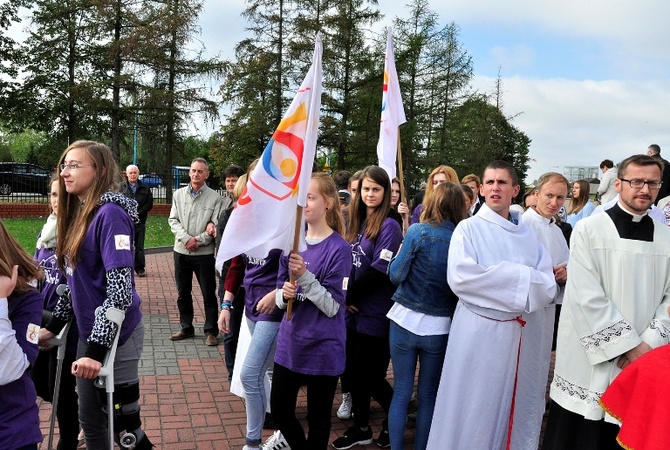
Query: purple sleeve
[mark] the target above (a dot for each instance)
(386, 245)
(116, 239)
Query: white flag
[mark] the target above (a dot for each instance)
(264, 218)
(393, 113)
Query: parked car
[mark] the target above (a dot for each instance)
(152, 180)
(23, 177)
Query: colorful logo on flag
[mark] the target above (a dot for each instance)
(280, 166)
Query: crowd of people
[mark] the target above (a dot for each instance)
(474, 290)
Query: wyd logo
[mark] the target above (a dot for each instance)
(279, 168)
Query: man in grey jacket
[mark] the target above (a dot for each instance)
(193, 218)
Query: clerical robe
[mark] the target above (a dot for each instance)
(499, 270)
(536, 352)
(616, 297)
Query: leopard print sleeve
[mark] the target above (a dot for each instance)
(119, 295)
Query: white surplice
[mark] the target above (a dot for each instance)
(616, 297)
(536, 351)
(499, 270)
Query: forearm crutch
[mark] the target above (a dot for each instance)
(106, 375)
(59, 342)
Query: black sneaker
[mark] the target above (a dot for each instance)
(384, 440)
(353, 436)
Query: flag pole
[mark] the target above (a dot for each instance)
(401, 176)
(296, 242)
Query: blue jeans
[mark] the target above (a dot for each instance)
(259, 359)
(406, 349)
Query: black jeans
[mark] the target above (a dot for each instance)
(370, 357)
(203, 268)
(140, 231)
(320, 395)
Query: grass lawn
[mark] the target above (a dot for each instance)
(26, 231)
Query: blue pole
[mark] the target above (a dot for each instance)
(135, 141)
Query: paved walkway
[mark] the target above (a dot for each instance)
(186, 403)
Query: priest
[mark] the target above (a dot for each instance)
(614, 308)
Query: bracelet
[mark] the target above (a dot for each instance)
(226, 306)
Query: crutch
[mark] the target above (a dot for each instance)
(59, 342)
(106, 375)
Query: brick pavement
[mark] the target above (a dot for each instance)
(184, 385)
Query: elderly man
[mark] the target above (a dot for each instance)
(193, 218)
(502, 275)
(614, 308)
(140, 192)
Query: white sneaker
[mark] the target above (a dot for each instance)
(276, 442)
(344, 411)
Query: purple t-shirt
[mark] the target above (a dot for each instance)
(19, 414)
(260, 277)
(53, 277)
(46, 258)
(416, 214)
(107, 245)
(371, 318)
(311, 342)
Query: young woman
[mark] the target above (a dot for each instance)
(263, 317)
(581, 205)
(401, 208)
(439, 175)
(310, 347)
(43, 372)
(421, 315)
(470, 198)
(20, 317)
(375, 239)
(95, 250)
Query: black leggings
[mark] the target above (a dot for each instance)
(320, 395)
(43, 373)
(369, 357)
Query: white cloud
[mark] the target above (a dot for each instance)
(512, 58)
(583, 122)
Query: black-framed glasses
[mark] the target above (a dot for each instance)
(637, 183)
(74, 166)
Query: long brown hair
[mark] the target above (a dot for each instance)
(12, 254)
(577, 203)
(446, 203)
(358, 212)
(328, 190)
(75, 216)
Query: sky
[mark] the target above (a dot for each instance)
(585, 80)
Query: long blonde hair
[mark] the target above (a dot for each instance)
(75, 216)
(12, 254)
(328, 190)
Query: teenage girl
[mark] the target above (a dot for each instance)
(95, 250)
(43, 372)
(310, 347)
(375, 238)
(421, 315)
(20, 317)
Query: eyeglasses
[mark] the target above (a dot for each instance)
(636, 183)
(74, 166)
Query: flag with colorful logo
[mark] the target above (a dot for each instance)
(264, 218)
(393, 113)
